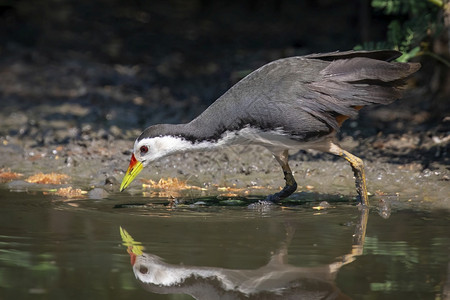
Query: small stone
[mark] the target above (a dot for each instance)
(98, 193)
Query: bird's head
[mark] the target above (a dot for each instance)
(153, 144)
(145, 151)
(140, 157)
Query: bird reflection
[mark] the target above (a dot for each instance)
(276, 280)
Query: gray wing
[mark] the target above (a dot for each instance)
(304, 95)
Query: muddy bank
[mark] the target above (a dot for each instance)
(76, 109)
(83, 142)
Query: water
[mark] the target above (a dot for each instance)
(54, 249)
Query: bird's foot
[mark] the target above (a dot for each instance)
(275, 198)
(261, 205)
(271, 200)
(288, 189)
(268, 202)
(284, 193)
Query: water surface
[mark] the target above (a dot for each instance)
(54, 249)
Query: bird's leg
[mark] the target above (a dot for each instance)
(358, 170)
(291, 185)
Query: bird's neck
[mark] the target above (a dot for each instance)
(178, 138)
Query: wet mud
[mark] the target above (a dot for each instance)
(76, 109)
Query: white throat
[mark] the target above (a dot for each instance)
(274, 140)
(166, 145)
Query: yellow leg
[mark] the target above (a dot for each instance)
(358, 170)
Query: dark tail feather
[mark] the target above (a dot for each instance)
(363, 69)
(356, 82)
(385, 55)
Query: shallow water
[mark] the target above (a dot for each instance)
(53, 249)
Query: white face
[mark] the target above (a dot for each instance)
(151, 149)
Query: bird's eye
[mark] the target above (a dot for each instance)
(143, 149)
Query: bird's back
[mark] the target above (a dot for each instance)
(307, 96)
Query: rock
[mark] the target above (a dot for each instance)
(98, 193)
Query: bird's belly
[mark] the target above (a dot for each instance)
(274, 139)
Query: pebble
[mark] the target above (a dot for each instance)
(98, 193)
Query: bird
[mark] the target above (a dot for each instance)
(292, 103)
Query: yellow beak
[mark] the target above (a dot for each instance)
(134, 169)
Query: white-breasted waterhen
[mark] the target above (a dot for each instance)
(289, 104)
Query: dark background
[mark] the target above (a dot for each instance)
(191, 47)
(135, 63)
(145, 31)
